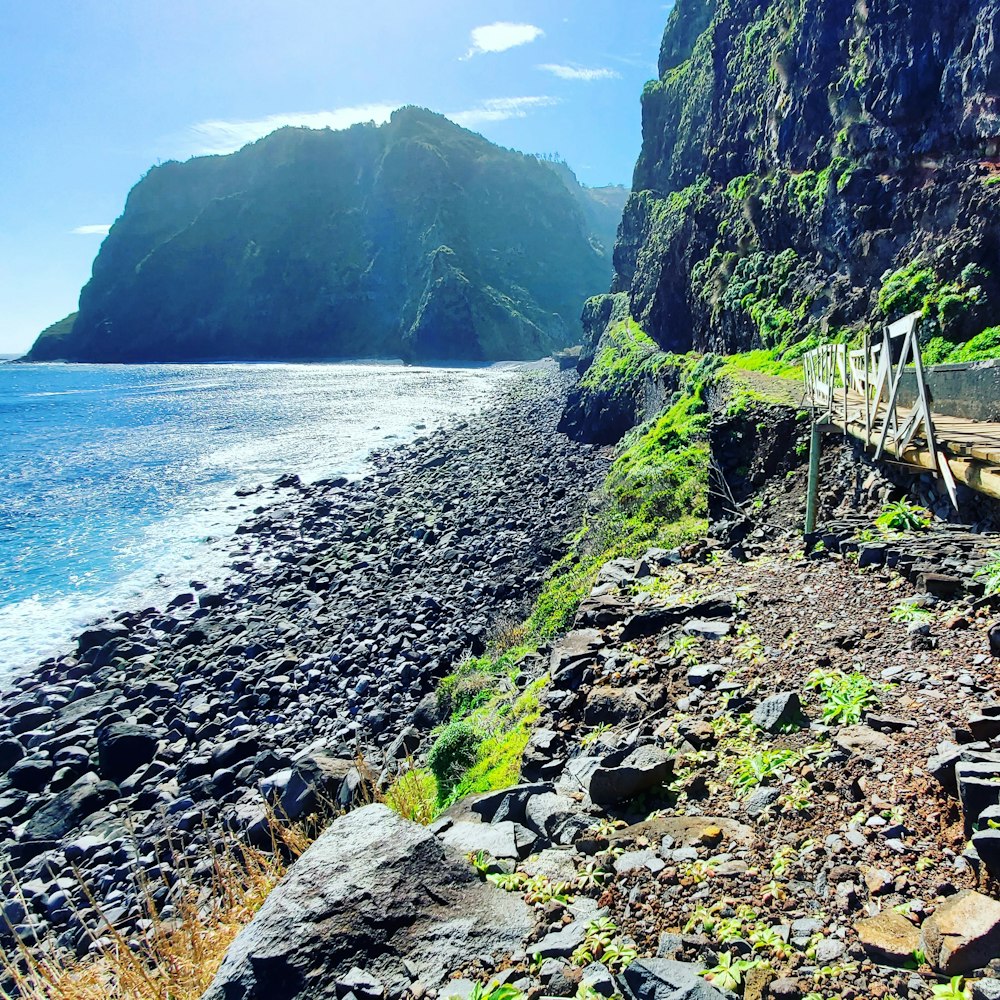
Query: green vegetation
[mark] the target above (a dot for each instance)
(989, 574)
(901, 515)
(982, 347)
(908, 613)
(760, 767)
(481, 748)
(498, 250)
(767, 362)
(495, 991)
(954, 989)
(728, 974)
(656, 493)
(629, 354)
(602, 944)
(844, 698)
(945, 308)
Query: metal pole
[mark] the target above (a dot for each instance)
(812, 491)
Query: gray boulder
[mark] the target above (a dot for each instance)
(123, 748)
(779, 711)
(64, 812)
(627, 773)
(316, 778)
(663, 979)
(375, 892)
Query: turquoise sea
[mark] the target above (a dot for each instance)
(117, 482)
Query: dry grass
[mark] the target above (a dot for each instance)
(178, 958)
(413, 795)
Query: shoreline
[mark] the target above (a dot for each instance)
(128, 555)
(346, 602)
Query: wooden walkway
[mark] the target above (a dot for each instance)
(860, 393)
(972, 448)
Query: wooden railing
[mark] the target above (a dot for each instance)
(868, 381)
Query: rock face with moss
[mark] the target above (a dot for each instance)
(416, 239)
(810, 168)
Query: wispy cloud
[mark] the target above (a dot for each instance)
(501, 36)
(579, 72)
(499, 109)
(220, 137)
(97, 230)
(227, 136)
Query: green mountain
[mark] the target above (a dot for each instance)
(416, 239)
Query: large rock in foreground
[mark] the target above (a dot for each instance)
(375, 893)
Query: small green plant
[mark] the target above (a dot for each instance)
(757, 768)
(910, 614)
(595, 734)
(600, 935)
(989, 574)
(843, 697)
(591, 876)
(703, 918)
(729, 973)
(685, 648)
(619, 955)
(728, 930)
(508, 881)
(495, 991)
(751, 649)
(798, 798)
(698, 871)
(765, 938)
(539, 890)
(954, 989)
(782, 861)
(480, 861)
(901, 515)
(923, 863)
(606, 828)
(826, 973)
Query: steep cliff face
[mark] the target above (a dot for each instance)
(810, 167)
(417, 238)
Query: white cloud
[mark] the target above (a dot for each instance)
(501, 36)
(228, 136)
(500, 109)
(99, 230)
(579, 73)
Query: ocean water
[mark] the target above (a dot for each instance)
(117, 482)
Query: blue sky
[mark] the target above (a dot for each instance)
(96, 91)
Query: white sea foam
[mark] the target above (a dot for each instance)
(126, 510)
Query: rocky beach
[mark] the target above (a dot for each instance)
(347, 602)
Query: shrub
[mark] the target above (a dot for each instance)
(453, 753)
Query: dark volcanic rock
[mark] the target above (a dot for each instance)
(377, 893)
(791, 163)
(780, 710)
(663, 979)
(63, 813)
(123, 748)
